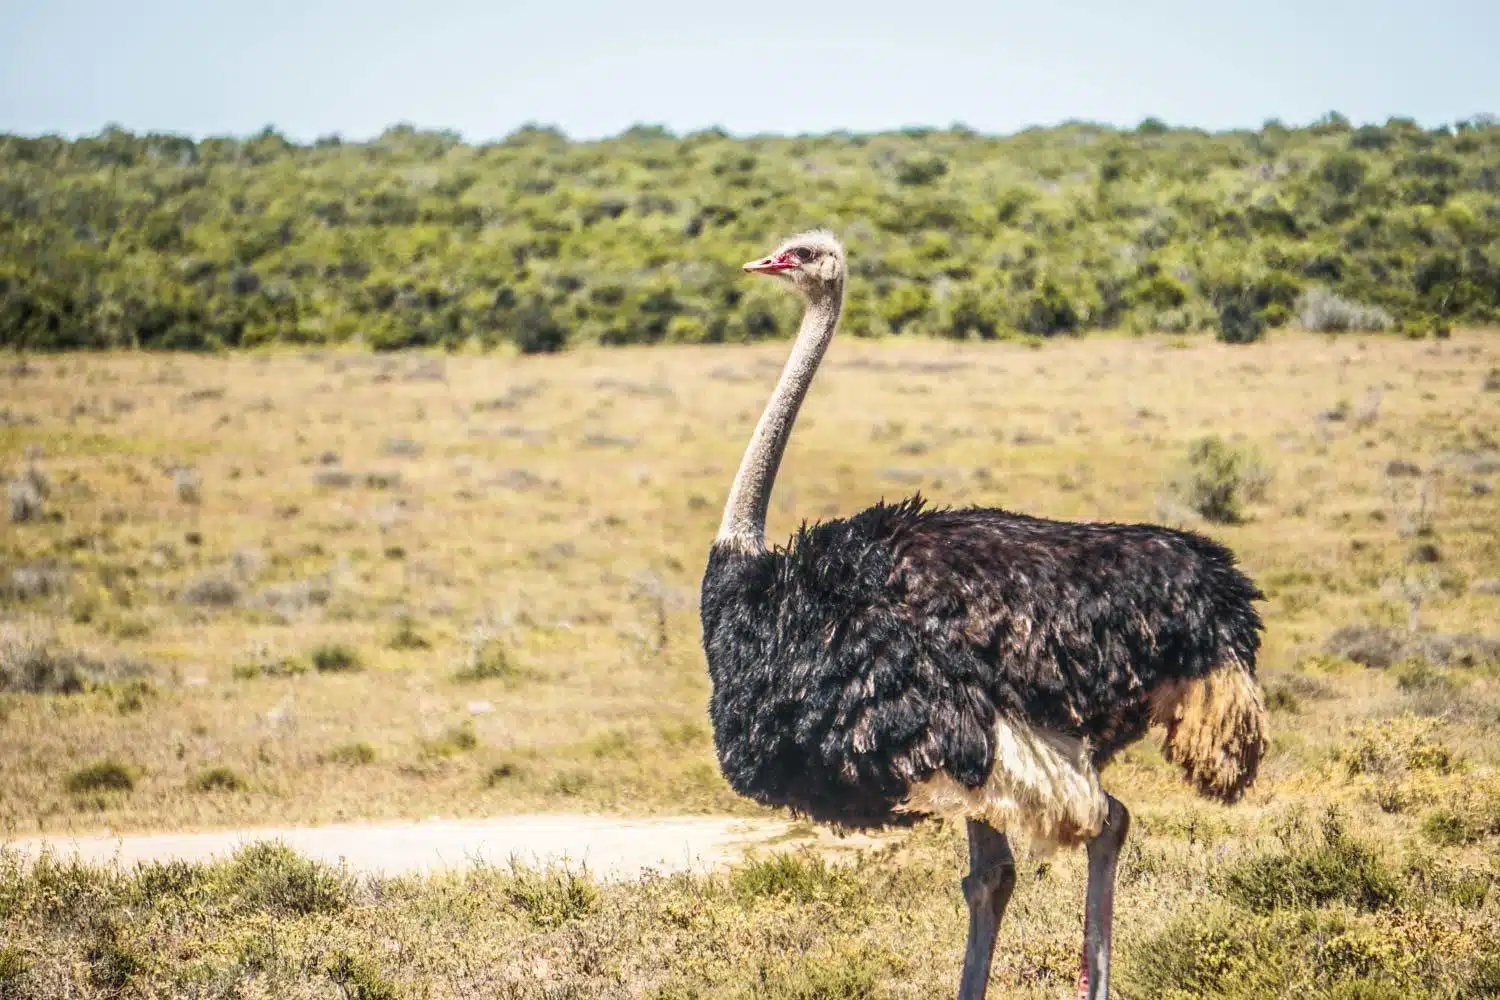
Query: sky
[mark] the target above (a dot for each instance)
(596, 67)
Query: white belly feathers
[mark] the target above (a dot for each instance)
(1043, 784)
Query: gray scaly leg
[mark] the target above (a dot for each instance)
(991, 879)
(1098, 912)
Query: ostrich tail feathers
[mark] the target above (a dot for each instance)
(1217, 730)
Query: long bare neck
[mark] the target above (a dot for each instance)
(744, 524)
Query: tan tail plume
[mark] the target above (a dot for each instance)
(1217, 730)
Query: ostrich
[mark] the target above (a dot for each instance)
(970, 664)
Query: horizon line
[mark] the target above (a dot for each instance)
(1150, 123)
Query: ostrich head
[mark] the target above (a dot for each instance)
(812, 263)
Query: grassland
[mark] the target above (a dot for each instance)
(298, 588)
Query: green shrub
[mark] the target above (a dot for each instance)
(1334, 868)
(107, 775)
(488, 661)
(1239, 323)
(132, 695)
(269, 877)
(359, 978)
(452, 741)
(1218, 478)
(12, 969)
(217, 779)
(353, 754)
(38, 664)
(406, 636)
(553, 896)
(112, 963)
(801, 876)
(1395, 745)
(1450, 828)
(918, 170)
(335, 658)
(1048, 312)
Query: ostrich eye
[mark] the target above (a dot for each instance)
(802, 254)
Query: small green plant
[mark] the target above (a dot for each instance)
(112, 962)
(1450, 828)
(131, 695)
(406, 635)
(453, 741)
(502, 773)
(488, 661)
(570, 782)
(552, 897)
(353, 754)
(335, 657)
(12, 969)
(101, 776)
(1218, 479)
(359, 978)
(801, 876)
(1282, 698)
(268, 666)
(217, 779)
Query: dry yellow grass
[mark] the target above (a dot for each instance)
(554, 513)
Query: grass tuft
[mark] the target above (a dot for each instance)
(354, 754)
(107, 775)
(452, 741)
(335, 658)
(217, 779)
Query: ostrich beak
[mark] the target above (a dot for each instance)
(770, 265)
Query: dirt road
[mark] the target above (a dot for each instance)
(610, 848)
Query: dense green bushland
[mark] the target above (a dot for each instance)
(417, 238)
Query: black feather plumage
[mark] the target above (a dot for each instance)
(874, 650)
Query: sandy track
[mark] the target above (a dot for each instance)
(610, 848)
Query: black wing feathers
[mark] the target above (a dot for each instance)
(874, 650)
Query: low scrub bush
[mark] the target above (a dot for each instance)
(335, 658)
(801, 876)
(107, 775)
(1218, 479)
(551, 897)
(217, 779)
(1312, 872)
(1321, 311)
(453, 741)
(1382, 647)
(353, 754)
(269, 877)
(488, 661)
(35, 663)
(1393, 746)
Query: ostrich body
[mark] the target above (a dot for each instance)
(970, 664)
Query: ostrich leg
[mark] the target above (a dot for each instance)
(1098, 911)
(991, 878)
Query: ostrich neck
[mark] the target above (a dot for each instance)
(744, 524)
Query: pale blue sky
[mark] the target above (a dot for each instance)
(356, 66)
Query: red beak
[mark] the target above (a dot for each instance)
(771, 265)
